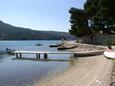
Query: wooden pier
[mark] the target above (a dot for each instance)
(45, 53)
(38, 53)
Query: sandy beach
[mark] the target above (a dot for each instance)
(88, 71)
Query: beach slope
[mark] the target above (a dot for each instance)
(89, 71)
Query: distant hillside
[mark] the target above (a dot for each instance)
(9, 32)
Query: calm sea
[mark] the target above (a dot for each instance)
(17, 72)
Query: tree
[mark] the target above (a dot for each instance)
(99, 13)
(108, 14)
(79, 23)
(102, 14)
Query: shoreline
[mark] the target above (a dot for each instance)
(90, 71)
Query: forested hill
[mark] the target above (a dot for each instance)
(9, 32)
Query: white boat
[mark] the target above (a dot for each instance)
(109, 54)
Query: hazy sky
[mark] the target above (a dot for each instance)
(38, 14)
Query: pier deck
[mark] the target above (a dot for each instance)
(19, 53)
(45, 53)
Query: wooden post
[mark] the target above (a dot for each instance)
(45, 56)
(37, 56)
(16, 55)
(20, 55)
(75, 56)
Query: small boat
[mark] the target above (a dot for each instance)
(9, 51)
(109, 54)
(55, 45)
(38, 44)
(66, 47)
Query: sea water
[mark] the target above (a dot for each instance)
(24, 72)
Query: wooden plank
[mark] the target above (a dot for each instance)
(45, 52)
(76, 54)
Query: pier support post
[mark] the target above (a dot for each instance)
(16, 55)
(45, 56)
(37, 56)
(20, 55)
(75, 56)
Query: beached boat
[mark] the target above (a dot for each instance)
(109, 54)
(66, 47)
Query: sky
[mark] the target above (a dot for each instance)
(48, 15)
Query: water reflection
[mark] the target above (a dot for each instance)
(2, 57)
(72, 61)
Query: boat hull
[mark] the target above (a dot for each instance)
(55, 45)
(109, 54)
(66, 47)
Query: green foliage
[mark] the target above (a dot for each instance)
(91, 7)
(109, 43)
(103, 14)
(79, 23)
(100, 13)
